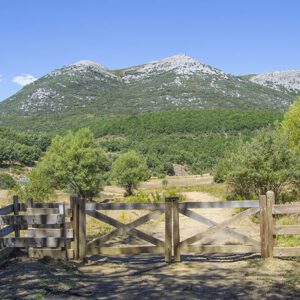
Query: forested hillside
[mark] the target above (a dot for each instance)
(195, 138)
(21, 147)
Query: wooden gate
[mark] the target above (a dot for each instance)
(59, 230)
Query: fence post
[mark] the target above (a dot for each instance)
(176, 231)
(263, 224)
(168, 229)
(75, 225)
(16, 212)
(269, 238)
(82, 228)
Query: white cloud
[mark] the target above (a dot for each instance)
(24, 79)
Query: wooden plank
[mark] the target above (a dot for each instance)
(75, 224)
(206, 249)
(54, 253)
(263, 224)
(176, 230)
(220, 204)
(82, 227)
(16, 212)
(31, 219)
(270, 221)
(286, 251)
(32, 242)
(6, 230)
(283, 209)
(168, 230)
(124, 206)
(126, 250)
(212, 230)
(5, 252)
(7, 209)
(286, 229)
(46, 211)
(241, 237)
(48, 232)
(117, 224)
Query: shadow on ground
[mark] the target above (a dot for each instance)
(148, 277)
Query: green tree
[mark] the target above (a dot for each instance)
(128, 170)
(74, 162)
(265, 163)
(291, 124)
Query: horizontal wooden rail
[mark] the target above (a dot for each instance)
(283, 209)
(206, 249)
(31, 219)
(220, 204)
(25, 242)
(124, 206)
(49, 232)
(126, 250)
(286, 229)
(24, 206)
(47, 211)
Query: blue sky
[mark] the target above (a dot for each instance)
(237, 36)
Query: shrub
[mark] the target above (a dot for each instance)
(6, 182)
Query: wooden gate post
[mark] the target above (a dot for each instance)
(16, 212)
(75, 225)
(82, 228)
(176, 232)
(269, 238)
(263, 225)
(168, 229)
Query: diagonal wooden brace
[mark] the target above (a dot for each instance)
(247, 213)
(241, 237)
(124, 228)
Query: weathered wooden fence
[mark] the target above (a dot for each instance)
(46, 226)
(59, 230)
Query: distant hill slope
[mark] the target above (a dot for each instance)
(285, 81)
(175, 83)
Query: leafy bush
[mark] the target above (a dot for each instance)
(265, 163)
(6, 182)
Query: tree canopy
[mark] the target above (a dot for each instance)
(128, 170)
(74, 162)
(265, 163)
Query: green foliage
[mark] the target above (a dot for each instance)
(6, 182)
(265, 163)
(74, 162)
(21, 147)
(194, 138)
(291, 124)
(128, 170)
(39, 187)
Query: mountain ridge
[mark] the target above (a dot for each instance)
(177, 82)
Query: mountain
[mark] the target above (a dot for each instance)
(89, 90)
(285, 81)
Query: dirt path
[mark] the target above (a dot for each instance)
(147, 277)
